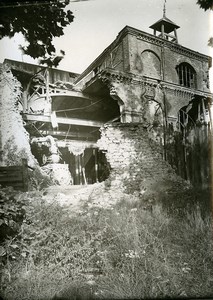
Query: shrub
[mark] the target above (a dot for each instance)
(39, 180)
(12, 213)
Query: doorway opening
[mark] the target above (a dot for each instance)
(88, 167)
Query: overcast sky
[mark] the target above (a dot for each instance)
(97, 23)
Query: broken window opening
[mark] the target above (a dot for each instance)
(195, 113)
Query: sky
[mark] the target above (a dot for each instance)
(98, 22)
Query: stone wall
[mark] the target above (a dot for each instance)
(136, 161)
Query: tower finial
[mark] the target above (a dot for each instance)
(164, 9)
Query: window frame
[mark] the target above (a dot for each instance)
(187, 75)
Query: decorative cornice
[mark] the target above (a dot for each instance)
(111, 75)
(108, 76)
(187, 52)
(184, 91)
(178, 93)
(172, 46)
(151, 39)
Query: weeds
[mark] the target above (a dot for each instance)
(39, 180)
(118, 253)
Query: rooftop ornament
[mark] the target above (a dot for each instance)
(167, 28)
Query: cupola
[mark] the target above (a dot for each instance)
(167, 28)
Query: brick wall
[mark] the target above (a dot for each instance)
(136, 161)
(169, 58)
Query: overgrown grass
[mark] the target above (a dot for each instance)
(116, 253)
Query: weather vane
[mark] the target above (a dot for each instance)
(164, 9)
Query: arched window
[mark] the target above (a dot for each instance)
(187, 75)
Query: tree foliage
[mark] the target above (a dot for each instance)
(210, 42)
(38, 21)
(205, 4)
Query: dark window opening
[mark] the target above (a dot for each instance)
(187, 75)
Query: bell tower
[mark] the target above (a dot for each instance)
(165, 28)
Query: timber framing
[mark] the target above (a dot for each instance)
(60, 120)
(70, 134)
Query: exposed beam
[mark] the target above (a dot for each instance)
(87, 144)
(60, 120)
(68, 135)
(62, 92)
(72, 121)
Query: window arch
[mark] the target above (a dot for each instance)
(187, 75)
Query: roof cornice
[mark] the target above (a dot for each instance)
(162, 42)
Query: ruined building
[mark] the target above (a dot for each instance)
(142, 87)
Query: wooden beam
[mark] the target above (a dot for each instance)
(57, 92)
(62, 143)
(87, 144)
(72, 121)
(71, 134)
(60, 120)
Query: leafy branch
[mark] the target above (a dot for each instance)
(39, 22)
